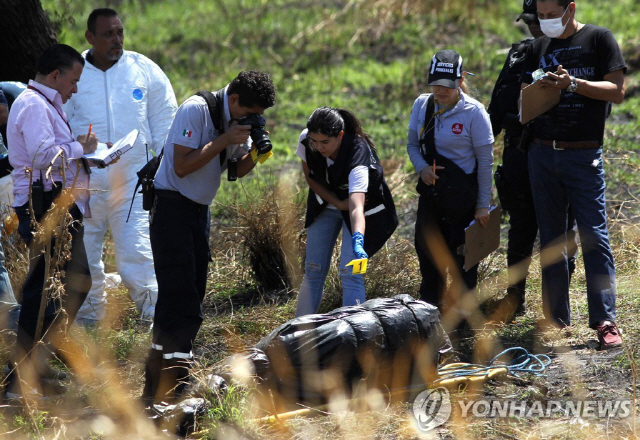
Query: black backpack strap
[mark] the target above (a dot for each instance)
(215, 103)
(427, 136)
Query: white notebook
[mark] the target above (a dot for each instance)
(104, 155)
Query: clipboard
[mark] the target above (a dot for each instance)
(479, 242)
(535, 100)
(104, 155)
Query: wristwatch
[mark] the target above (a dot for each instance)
(571, 88)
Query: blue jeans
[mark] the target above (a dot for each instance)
(523, 226)
(575, 177)
(9, 307)
(321, 238)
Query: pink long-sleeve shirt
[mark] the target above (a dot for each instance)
(37, 130)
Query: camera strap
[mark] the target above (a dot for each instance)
(215, 103)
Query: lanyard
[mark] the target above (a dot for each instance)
(437, 113)
(54, 106)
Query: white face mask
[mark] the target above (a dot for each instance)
(553, 27)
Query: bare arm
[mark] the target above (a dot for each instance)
(611, 88)
(356, 212)
(187, 160)
(322, 191)
(245, 165)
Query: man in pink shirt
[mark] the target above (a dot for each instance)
(38, 131)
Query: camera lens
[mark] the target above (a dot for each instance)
(261, 140)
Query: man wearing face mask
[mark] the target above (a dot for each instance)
(584, 63)
(512, 177)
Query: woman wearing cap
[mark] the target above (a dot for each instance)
(347, 192)
(460, 130)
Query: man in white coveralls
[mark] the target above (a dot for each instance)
(119, 91)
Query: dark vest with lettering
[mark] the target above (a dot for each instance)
(379, 210)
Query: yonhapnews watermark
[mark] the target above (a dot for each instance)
(433, 408)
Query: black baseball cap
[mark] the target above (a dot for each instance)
(529, 11)
(446, 69)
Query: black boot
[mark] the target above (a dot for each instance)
(152, 372)
(174, 380)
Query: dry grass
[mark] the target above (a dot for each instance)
(15, 251)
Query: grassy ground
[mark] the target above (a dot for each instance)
(371, 57)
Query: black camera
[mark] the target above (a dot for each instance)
(259, 136)
(42, 199)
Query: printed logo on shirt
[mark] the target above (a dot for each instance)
(456, 128)
(187, 133)
(137, 94)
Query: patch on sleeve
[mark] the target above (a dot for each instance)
(137, 94)
(187, 133)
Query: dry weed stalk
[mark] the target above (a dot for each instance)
(15, 250)
(268, 227)
(52, 237)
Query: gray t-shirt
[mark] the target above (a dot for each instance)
(193, 128)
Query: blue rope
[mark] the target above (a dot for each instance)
(526, 362)
(535, 364)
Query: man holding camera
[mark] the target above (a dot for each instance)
(195, 155)
(42, 143)
(585, 65)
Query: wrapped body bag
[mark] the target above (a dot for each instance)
(147, 173)
(454, 194)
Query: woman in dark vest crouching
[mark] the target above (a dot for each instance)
(346, 191)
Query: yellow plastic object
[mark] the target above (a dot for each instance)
(359, 266)
(10, 223)
(461, 382)
(262, 158)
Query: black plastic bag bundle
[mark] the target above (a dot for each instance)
(391, 344)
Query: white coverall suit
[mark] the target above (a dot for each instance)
(133, 94)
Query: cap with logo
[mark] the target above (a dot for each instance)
(446, 69)
(529, 11)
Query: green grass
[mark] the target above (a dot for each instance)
(370, 57)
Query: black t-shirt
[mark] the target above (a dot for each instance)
(589, 54)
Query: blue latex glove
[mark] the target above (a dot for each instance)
(357, 241)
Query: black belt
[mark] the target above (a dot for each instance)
(562, 145)
(175, 195)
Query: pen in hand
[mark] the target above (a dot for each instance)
(89, 134)
(434, 171)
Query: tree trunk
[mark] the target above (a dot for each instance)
(25, 33)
